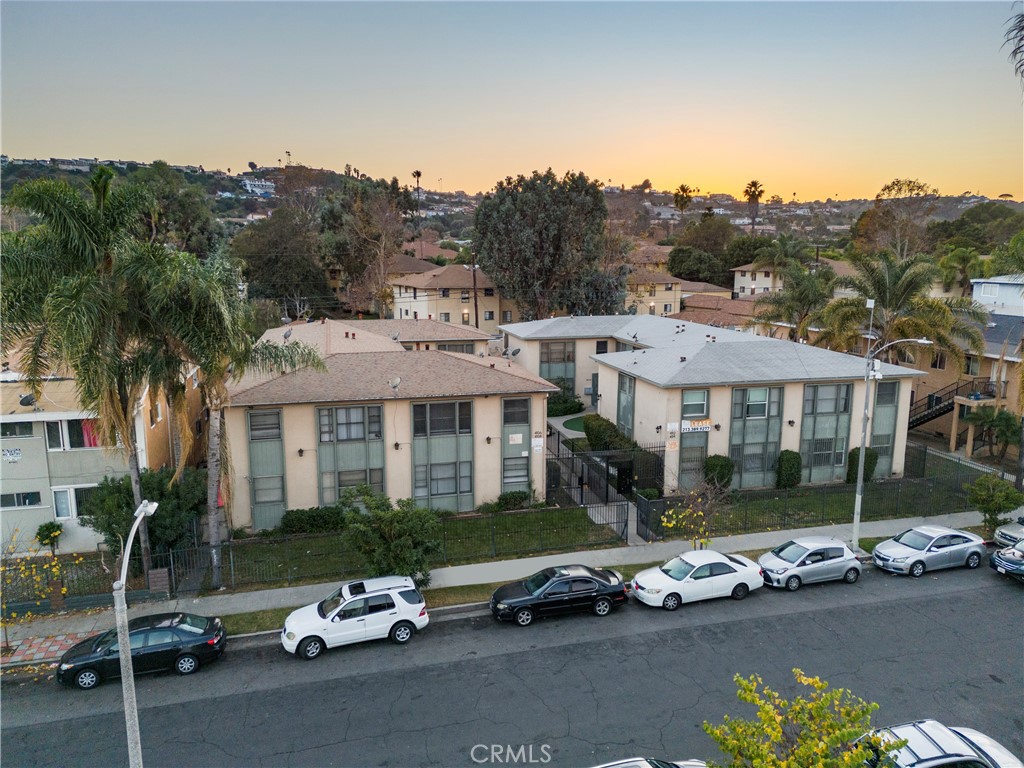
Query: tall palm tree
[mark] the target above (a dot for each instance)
(683, 196)
(753, 193)
(225, 354)
(70, 302)
(417, 175)
(903, 309)
(803, 296)
(958, 266)
(783, 252)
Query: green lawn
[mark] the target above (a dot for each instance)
(575, 424)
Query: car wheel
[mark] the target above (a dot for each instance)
(524, 617)
(917, 569)
(186, 664)
(740, 591)
(793, 583)
(87, 679)
(310, 648)
(402, 632)
(602, 606)
(851, 576)
(671, 602)
(973, 560)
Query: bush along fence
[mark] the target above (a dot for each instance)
(933, 484)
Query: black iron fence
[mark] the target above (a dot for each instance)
(933, 484)
(603, 476)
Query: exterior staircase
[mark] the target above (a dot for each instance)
(942, 402)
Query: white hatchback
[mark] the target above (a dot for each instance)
(371, 609)
(698, 575)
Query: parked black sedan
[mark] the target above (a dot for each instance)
(562, 589)
(178, 641)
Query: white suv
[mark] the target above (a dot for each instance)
(371, 609)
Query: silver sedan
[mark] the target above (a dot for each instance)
(807, 560)
(929, 548)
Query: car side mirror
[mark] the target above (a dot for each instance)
(933, 549)
(1020, 520)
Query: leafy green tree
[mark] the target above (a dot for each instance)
(753, 193)
(1008, 259)
(537, 234)
(711, 234)
(993, 497)
(744, 249)
(958, 266)
(896, 222)
(109, 509)
(903, 309)
(281, 256)
(596, 291)
(396, 539)
(689, 263)
(783, 252)
(804, 294)
(822, 729)
(998, 427)
(181, 216)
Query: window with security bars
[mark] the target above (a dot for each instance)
(755, 457)
(882, 444)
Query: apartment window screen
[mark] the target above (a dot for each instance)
(515, 470)
(264, 425)
(695, 403)
(517, 411)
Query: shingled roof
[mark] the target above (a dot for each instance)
(453, 276)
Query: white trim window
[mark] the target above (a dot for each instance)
(695, 403)
(69, 500)
(72, 434)
(989, 290)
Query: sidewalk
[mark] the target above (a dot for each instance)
(45, 639)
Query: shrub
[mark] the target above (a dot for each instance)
(312, 520)
(603, 435)
(564, 404)
(993, 497)
(787, 474)
(650, 493)
(48, 533)
(514, 500)
(399, 539)
(718, 470)
(870, 461)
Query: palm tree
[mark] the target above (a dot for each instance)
(903, 309)
(1015, 39)
(803, 296)
(85, 293)
(417, 175)
(225, 354)
(683, 196)
(783, 252)
(959, 266)
(753, 193)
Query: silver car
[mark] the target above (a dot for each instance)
(807, 560)
(1009, 534)
(929, 548)
(931, 744)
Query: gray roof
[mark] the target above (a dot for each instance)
(1003, 279)
(739, 358)
(648, 330)
(1003, 332)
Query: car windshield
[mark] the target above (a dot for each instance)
(913, 539)
(535, 583)
(677, 568)
(791, 552)
(105, 640)
(1019, 546)
(330, 603)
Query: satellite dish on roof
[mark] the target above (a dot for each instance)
(27, 400)
(515, 352)
(395, 335)
(395, 382)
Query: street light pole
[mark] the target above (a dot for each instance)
(870, 376)
(131, 711)
(476, 307)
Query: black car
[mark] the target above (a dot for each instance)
(178, 641)
(561, 589)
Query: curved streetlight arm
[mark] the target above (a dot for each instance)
(923, 341)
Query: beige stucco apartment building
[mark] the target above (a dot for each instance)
(452, 294)
(450, 430)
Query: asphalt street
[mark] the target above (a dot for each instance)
(570, 691)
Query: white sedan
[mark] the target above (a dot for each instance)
(698, 575)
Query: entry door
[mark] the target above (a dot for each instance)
(348, 624)
(593, 389)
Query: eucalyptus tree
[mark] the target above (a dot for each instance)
(753, 193)
(800, 301)
(904, 309)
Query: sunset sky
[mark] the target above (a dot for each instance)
(820, 99)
